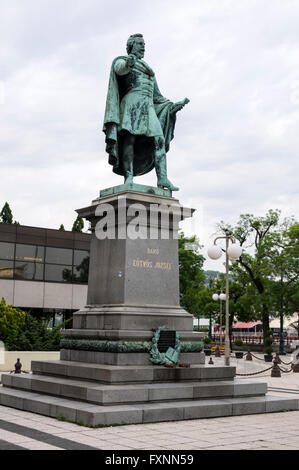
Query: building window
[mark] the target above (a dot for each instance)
(79, 256)
(39, 263)
(81, 266)
(56, 273)
(7, 250)
(59, 256)
(30, 253)
(6, 269)
(31, 271)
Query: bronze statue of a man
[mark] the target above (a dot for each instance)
(139, 122)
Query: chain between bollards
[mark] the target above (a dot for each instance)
(255, 373)
(275, 369)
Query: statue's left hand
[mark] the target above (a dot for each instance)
(179, 105)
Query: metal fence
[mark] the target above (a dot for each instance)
(251, 339)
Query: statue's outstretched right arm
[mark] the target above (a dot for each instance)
(124, 66)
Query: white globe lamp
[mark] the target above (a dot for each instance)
(214, 252)
(222, 297)
(215, 297)
(234, 252)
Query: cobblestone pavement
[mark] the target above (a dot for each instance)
(20, 430)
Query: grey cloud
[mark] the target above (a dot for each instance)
(236, 145)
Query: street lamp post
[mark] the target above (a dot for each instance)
(232, 252)
(220, 297)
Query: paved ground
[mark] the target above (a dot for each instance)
(21, 430)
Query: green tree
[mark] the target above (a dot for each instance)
(264, 241)
(78, 225)
(284, 280)
(6, 214)
(61, 228)
(35, 336)
(206, 306)
(192, 277)
(20, 331)
(12, 321)
(210, 308)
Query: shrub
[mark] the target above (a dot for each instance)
(12, 322)
(238, 342)
(268, 345)
(37, 337)
(268, 341)
(207, 340)
(268, 350)
(19, 331)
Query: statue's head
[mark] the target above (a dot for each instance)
(136, 45)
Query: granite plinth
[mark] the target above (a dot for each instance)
(121, 374)
(125, 335)
(141, 188)
(124, 359)
(134, 264)
(133, 283)
(133, 318)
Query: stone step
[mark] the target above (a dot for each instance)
(111, 374)
(123, 359)
(96, 415)
(138, 393)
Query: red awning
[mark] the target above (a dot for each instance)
(244, 326)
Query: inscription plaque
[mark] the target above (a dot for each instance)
(166, 340)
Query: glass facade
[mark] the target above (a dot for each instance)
(7, 251)
(30, 271)
(59, 255)
(58, 273)
(30, 253)
(40, 263)
(6, 269)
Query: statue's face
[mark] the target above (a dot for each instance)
(139, 48)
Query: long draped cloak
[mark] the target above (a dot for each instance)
(144, 151)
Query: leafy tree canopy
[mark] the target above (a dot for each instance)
(78, 225)
(270, 255)
(192, 278)
(6, 214)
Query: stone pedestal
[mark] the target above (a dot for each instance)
(104, 375)
(133, 281)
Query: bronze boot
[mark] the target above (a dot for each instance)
(162, 180)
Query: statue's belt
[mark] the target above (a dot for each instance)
(141, 91)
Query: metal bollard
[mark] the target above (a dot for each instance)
(275, 372)
(18, 367)
(278, 358)
(248, 356)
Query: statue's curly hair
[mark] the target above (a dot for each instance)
(131, 40)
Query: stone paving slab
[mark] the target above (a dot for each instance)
(203, 434)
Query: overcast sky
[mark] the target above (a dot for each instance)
(236, 144)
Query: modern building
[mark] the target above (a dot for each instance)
(44, 270)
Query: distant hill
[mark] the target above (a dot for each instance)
(211, 276)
